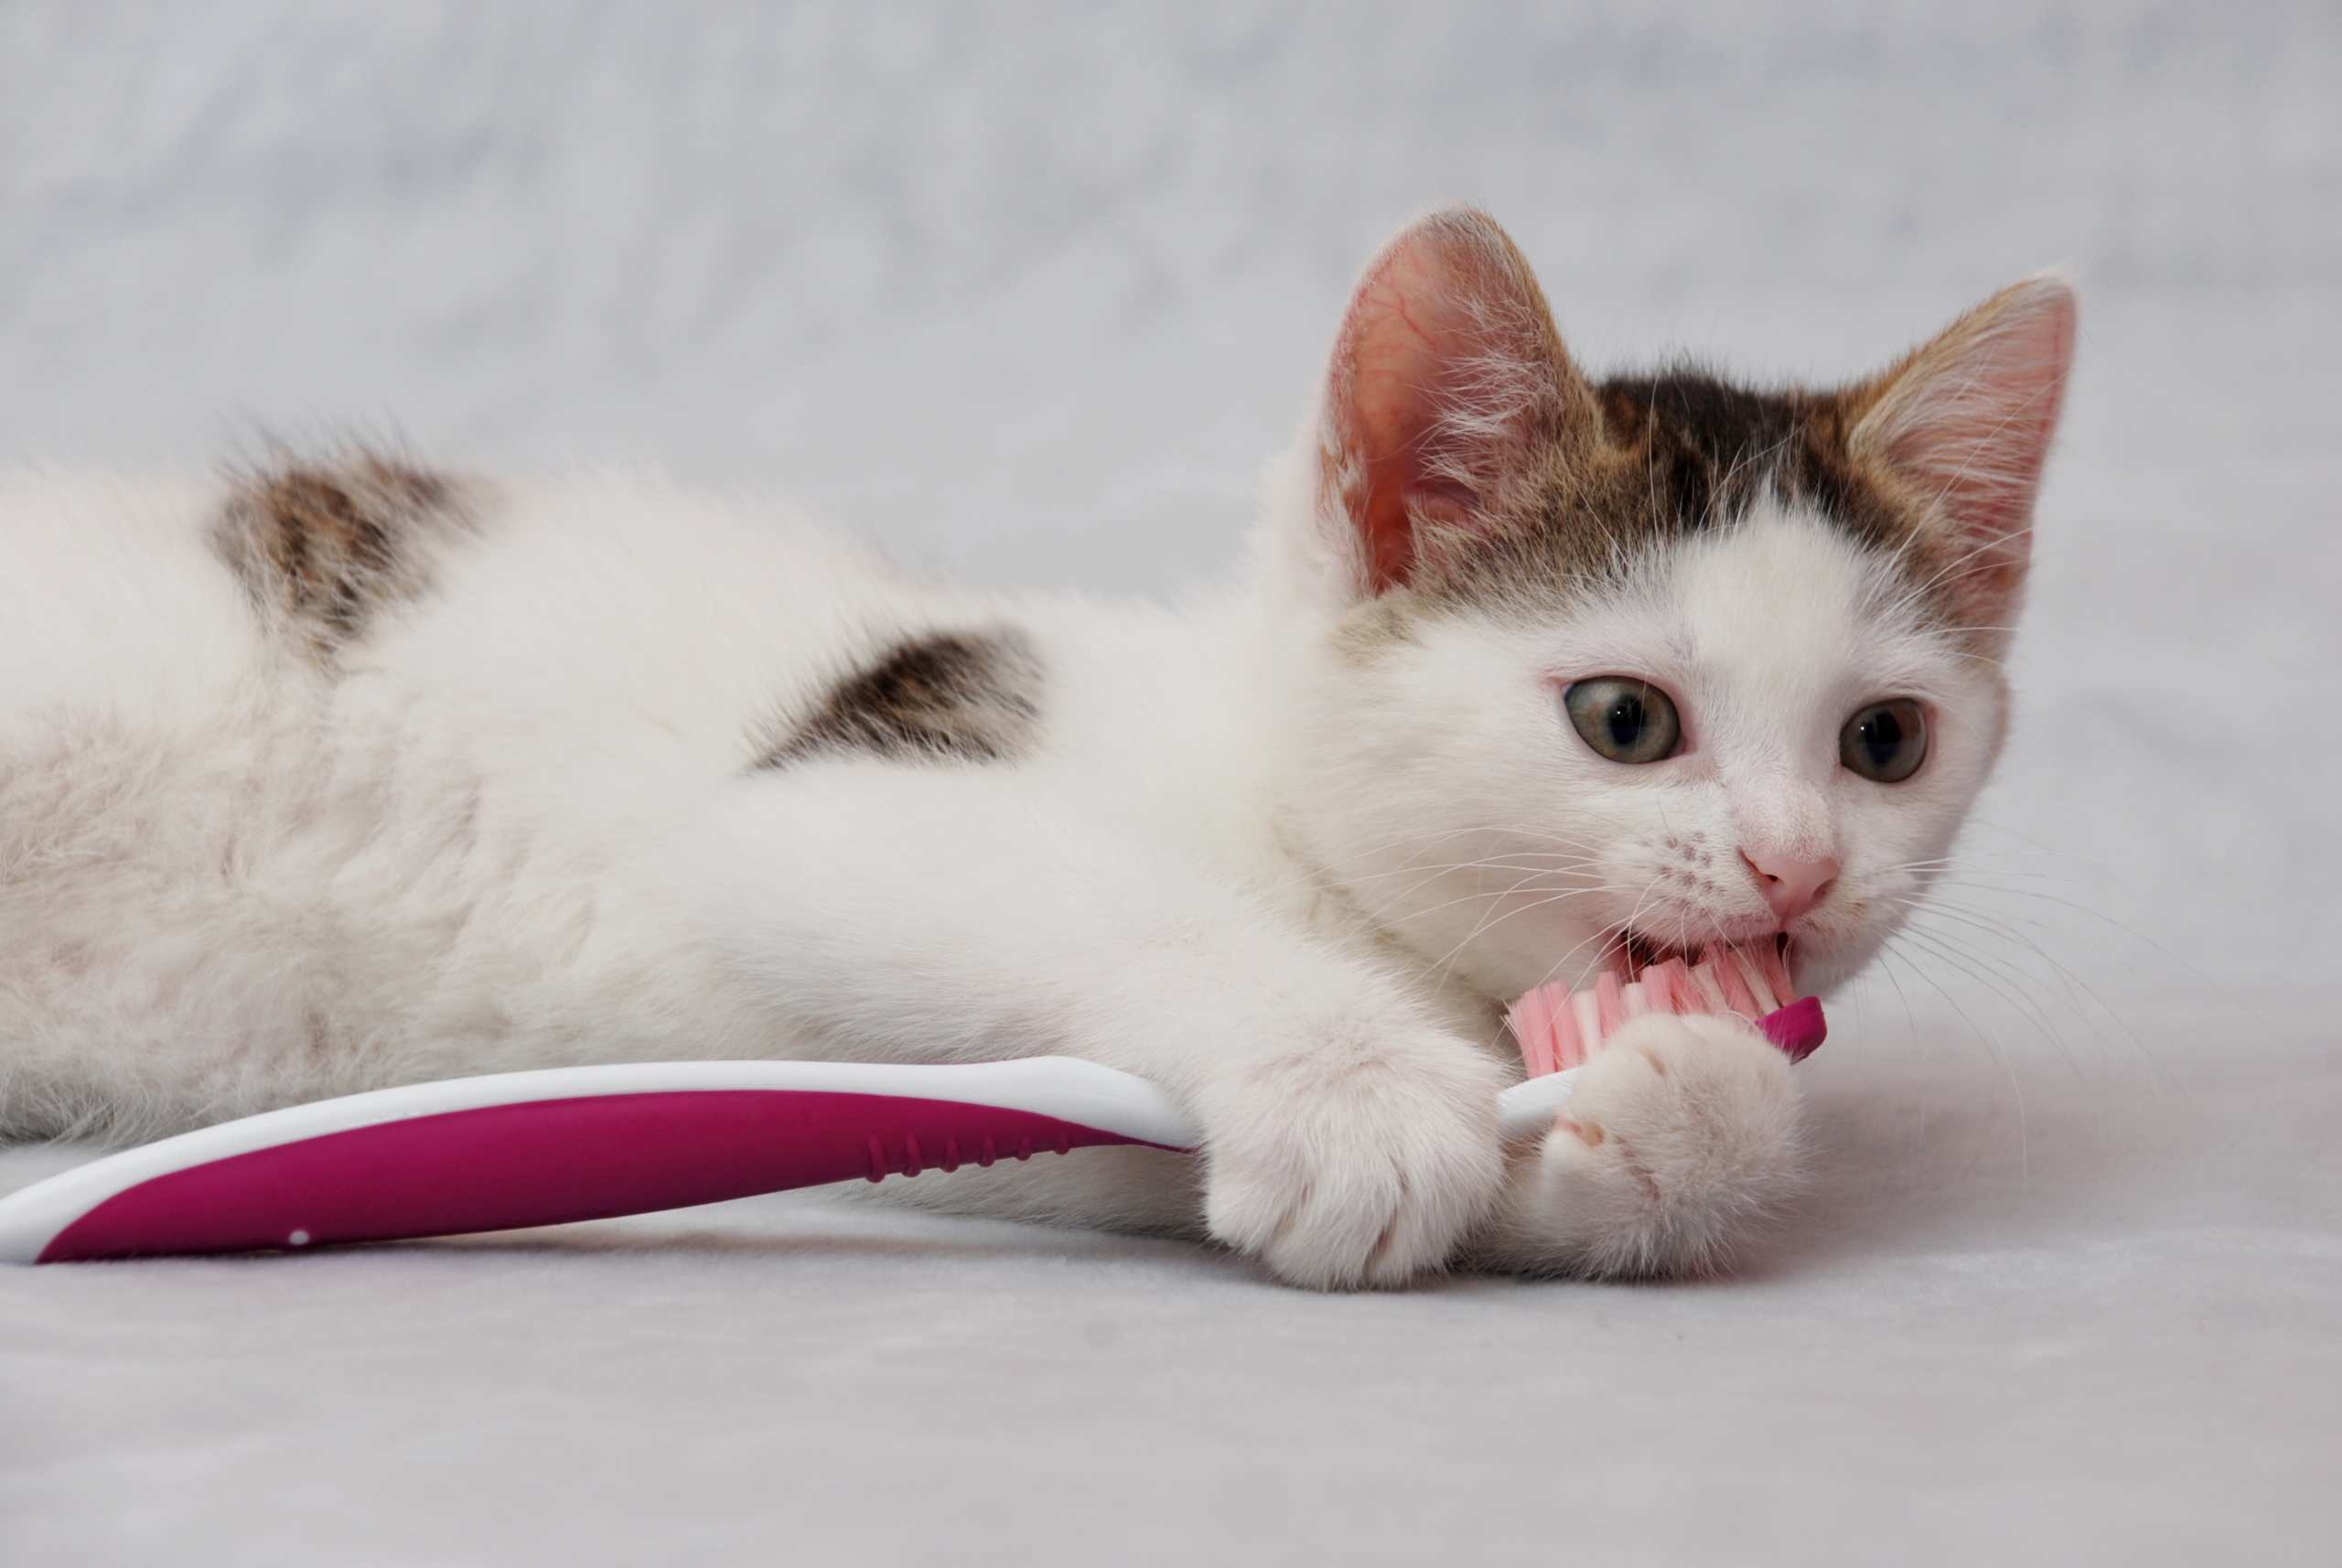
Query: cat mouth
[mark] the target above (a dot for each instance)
(1631, 951)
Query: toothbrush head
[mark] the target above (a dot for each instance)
(1558, 1028)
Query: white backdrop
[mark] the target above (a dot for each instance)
(1029, 292)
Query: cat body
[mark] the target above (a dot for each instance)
(340, 774)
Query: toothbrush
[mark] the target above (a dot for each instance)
(509, 1149)
(1557, 1029)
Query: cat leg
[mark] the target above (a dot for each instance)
(935, 914)
(1680, 1138)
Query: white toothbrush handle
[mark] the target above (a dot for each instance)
(1527, 1109)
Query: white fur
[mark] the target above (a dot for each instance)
(1284, 857)
(522, 828)
(1464, 815)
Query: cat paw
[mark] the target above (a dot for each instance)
(1355, 1163)
(1680, 1137)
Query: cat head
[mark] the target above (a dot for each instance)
(1590, 669)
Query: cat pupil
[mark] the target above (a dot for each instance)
(1887, 741)
(1880, 737)
(1623, 719)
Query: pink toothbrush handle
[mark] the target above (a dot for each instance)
(546, 1148)
(1797, 1028)
(548, 1163)
(513, 1150)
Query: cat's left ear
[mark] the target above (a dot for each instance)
(1447, 371)
(1966, 422)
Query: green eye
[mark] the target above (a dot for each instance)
(1887, 741)
(1624, 719)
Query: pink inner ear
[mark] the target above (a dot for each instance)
(1446, 348)
(1400, 343)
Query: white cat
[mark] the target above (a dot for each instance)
(343, 774)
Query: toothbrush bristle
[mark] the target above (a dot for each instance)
(1703, 979)
(1735, 988)
(1588, 1018)
(1676, 994)
(1752, 974)
(1609, 1002)
(1558, 1028)
(1569, 1045)
(1530, 1020)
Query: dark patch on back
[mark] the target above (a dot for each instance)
(324, 548)
(959, 696)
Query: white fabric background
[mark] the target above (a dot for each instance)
(1029, 291)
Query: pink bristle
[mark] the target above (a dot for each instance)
(1687, 995)
(1657, 997)
(1776, 972)
(1672, 990)
(1559, 1028)
(1589, 1020)
(1531, 1019)
(1753, 973)
(1735, 990)
(1707, 978)
(1569, 1048)
(1609, 1005)
(1695, 997)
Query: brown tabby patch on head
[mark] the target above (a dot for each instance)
(953, 696)
(1674, 455)
(325, 548)
(1474, 465)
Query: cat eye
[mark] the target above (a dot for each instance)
(1624, 719)
(1887, 741)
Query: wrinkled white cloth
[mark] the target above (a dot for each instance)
(2066, 1312)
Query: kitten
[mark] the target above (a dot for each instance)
(341, 774)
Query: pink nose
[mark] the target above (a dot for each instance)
(1790, 884)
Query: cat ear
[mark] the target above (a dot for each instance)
(1446, 367)
(1967, 421)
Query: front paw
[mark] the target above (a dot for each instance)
(1355, 1162)
(1682, 1137)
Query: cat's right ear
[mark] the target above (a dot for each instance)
(1447, 369)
